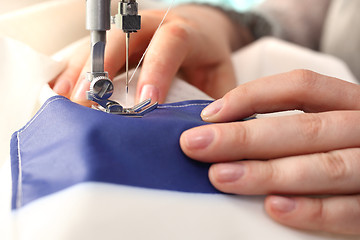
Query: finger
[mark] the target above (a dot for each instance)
(78, 94)
(65, 82)
(335, 214)
(115, 46)
(164, 58)
(300, 89)
(223, 80)
(335, 172)
(269, 138)
(214, 79)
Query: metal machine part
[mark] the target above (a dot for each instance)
(101, 88)
(127, 18)
(129, 21)
(138, 110)
(98, 22)
(98, 18)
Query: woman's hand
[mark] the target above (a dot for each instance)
(312, 153)
(198, 40)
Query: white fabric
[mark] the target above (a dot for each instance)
(105, 211)
(23, 72)
(87, 210)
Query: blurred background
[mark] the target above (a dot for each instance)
(50, 25)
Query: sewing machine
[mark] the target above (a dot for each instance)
(98, 21)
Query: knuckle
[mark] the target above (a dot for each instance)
(300, 173)
(319, 216)
(178, 30)
(155, 64)
(154, 60)
(241, 92)
(304, 81)
(270, 174)
(231, 136)
(241, 134)
(334, 166)
(310, 126)
(357, 200)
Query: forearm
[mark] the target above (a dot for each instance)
(296, 21)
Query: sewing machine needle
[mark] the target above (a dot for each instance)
(127, 62)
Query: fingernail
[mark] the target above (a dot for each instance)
(79, 93)
(62, 87)
(228, 172)
(212, 109)
(282, 204)
(198, 138)
(149, 91)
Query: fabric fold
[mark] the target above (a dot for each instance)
(65, 144)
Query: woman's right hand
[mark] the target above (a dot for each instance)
(195, 39)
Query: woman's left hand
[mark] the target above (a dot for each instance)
(312, 153)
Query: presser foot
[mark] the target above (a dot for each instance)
(138, 110)
(101, 89)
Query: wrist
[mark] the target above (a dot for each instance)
(245, 27)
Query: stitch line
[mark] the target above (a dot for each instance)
(186, 105)
(59, 98)
(38, 114)
(19, 183)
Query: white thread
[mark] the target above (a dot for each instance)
(186, 105)
(143, 56)
(19, 183)
(37, 115)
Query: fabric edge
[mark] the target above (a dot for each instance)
(14, 168)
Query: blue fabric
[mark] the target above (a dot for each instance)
(65, 144)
